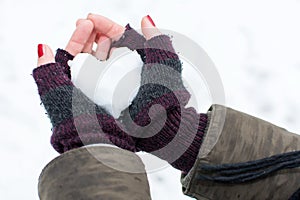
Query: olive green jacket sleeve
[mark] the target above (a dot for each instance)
(235, 137)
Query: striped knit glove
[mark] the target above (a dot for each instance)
(177, 137)
(76, 120)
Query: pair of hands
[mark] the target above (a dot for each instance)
(99, 30)
(184, 127)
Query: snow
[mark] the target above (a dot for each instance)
(254, 44)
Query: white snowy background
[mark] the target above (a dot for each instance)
(254, 44)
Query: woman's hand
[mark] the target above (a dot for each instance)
(79, 42)
(95, 29)
(82, 38)
(93, 123)
(99, 30)
(105, 32)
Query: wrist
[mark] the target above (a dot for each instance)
(179, 141)
(89, 129)
(187, 160)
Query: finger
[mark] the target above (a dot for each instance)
(45, 55)
(149, 29)
(103, 46)
(88, 47)
(80, 37)
(106, 26)
(79, 21)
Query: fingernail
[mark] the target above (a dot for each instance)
(150, 19)
(40, 50)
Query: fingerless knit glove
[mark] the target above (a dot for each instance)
(161, 83)
(76, 120)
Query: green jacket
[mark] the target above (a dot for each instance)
(99, 172)
(235, 137)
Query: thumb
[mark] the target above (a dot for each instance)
(148, 28)
(45, 55)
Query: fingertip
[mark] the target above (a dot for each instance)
(88, 24)
(147, 21)
(91, 16)
(79, 21)
(150, 20)
(45, 55)
(144, 21)
(148, 27)
(80, 37)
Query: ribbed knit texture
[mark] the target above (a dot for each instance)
(76, 120)
(63, 57)
(161, 80)
(161, 83)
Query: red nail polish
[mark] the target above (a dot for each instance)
(150, 19)
(40, 50)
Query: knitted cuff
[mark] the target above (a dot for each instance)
(62, 57)
(187, 160)
(132, 40)
(184, 130)
(89, 129)
(50, 76)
